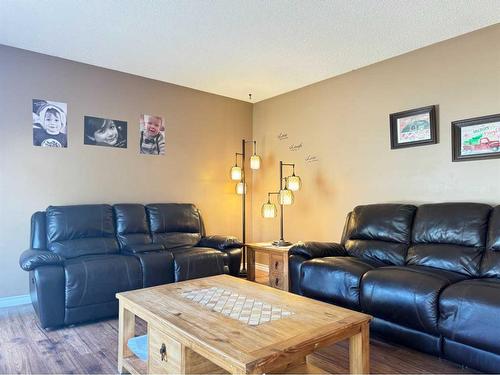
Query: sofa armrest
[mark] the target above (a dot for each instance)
(143, 248)
(31, 259)
(310, 250)
(220, 242)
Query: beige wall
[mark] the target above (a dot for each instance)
(343, 121)
(203, 132)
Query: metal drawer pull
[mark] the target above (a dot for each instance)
(276, 265)
(163, 352)
(277, 281)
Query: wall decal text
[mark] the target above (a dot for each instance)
(282, 136)
(295, 147)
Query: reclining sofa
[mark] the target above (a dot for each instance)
(81, 256)
(429, 275)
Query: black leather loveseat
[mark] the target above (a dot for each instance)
(430, 276)
(81, 256)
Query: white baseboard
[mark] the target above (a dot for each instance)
(15, 300)
(262, 267)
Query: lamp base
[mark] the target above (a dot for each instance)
(243, 273)
(281, 243)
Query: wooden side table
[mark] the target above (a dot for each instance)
(278, 263)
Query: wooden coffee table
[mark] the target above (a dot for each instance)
(223, 324)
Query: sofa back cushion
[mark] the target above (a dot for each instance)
(174, 224)
(74, 231)
(490, 265)
(380, 232)
(131, 225)
(449, 236)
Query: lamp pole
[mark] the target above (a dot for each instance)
(282, 240)
(238, 174)
(243, 271)
(244, 142)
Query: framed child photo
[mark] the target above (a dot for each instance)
(49, 123)
(476, 138)
(104, 132)
(415, 127)
(152, 135)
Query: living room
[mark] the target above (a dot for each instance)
(303, 106)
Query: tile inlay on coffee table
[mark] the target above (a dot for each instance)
(240, 307)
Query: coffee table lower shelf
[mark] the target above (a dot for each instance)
(305, 368)
(135, 366)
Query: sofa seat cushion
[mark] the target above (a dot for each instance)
(470, 311)
(84, 247)
(157, 267)
(456, 258)
(335, 279)
(407, 296)
(196, 262)
(96, 279)
(389, 253)
(176, 239)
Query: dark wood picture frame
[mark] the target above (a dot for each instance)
(456, 136)
(393, 120)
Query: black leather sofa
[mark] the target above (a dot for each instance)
(429, 275)
(81, 256)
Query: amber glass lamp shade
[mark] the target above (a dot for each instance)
(255, 161)
(269, 210)
(286, 197)
(293, 183)
(241, 188)
(236, 173)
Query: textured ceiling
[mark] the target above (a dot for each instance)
(236, 47)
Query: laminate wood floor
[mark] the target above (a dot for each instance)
(92, 348)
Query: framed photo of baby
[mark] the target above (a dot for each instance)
(49, 123)
(152, 138)
(105, 132)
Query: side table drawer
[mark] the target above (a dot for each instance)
(275, 264)
(164, 352)
(276, 280)
(276, 271)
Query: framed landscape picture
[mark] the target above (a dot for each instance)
(476, 138)
(415, 127)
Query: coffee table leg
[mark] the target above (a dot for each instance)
(126, 330)
(359, 351)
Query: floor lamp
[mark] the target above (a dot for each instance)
(238, 174)
(288, 185)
